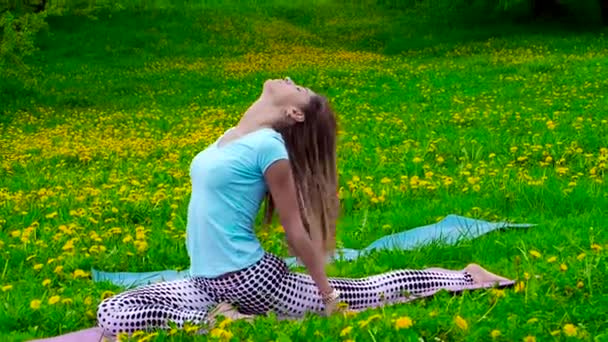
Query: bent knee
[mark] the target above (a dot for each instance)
(105, 312)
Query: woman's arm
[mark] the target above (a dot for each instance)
(282, 188)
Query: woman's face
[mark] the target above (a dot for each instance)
(285, 93)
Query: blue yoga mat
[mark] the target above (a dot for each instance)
(449, 231)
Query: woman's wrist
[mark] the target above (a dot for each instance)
(330, 297)
(324, 285)
(326, 292)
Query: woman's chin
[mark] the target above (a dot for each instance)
(268, 85)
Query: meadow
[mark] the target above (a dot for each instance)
(504, 124)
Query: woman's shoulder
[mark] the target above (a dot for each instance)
(269, 141)
(269, 135)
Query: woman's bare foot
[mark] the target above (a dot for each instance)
(482, 276)
(228, 311)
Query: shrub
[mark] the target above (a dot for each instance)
(17, 43)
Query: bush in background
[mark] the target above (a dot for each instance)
(17, 43)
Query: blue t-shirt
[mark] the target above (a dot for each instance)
(228, 188)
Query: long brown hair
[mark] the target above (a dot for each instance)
(311, 146)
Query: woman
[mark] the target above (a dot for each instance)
(283, 151)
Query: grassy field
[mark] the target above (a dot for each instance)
(504, 123)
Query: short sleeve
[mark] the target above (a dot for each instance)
(272, 149)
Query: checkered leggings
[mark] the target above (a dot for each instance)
(266, 286)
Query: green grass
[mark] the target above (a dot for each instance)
(504, 123)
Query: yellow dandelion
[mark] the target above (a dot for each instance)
(349, 313)
(529, 339)
(45, 282)
(225, 322)
(570, 330)
(137, 334)
(552, 259)
(346, 331)
(58, 269)
(495, 333)
(580, 284)
(403, 323)
(80, 274)
(123, 336)
(141, 245)
(38, 266)
(535, 254)
(221, 333)
(106, 294)
(562, 170)
(596, 247)
(342, 306)
(148, 337)
(448, 181)
(563, 267)
(35, 304)
(51, 215)
(461, 322)
(54, 300)
(498, 293)
(364, 323)
(68, 245)
(90, 314)
(581, 256)
(67, 301)
(7, 288)
(140, 232)
(193, 328)
(520, 286)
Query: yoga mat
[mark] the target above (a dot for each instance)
(96, 334)
(449, 231)
(85, 335)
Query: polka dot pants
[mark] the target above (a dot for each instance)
(266, 286)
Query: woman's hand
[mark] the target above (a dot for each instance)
(332, 302)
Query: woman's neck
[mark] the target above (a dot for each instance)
(258, 115)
